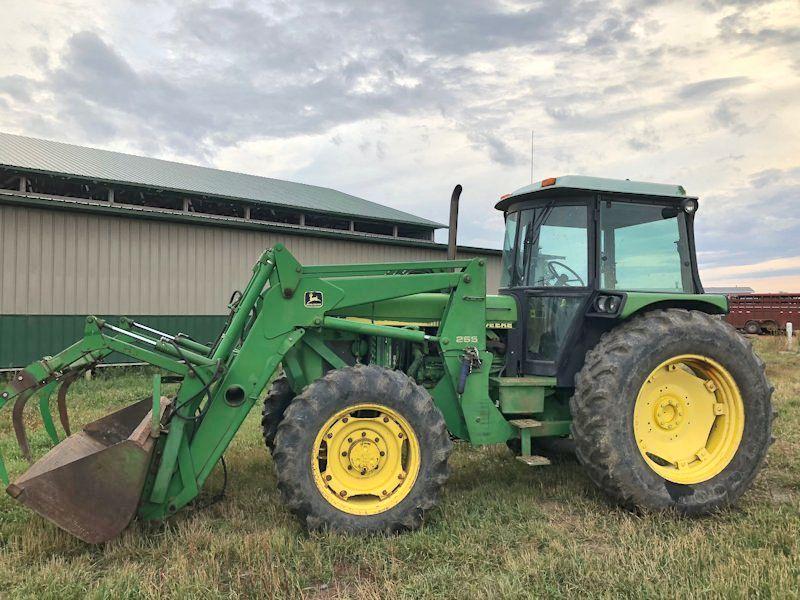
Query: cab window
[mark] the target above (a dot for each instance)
(508, 250)
(643, 247)
(554, 251)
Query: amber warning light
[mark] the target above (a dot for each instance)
(548, 182)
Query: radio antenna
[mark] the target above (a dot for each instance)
(531, 155)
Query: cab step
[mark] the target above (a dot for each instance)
(525, 426)
(525, 423)
(534, 461)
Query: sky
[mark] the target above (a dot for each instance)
(398, 101)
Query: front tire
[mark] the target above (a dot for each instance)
(672, 410)
(362, 449)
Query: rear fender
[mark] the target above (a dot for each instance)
(637, 302)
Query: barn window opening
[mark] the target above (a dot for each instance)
(414, 233)
(327, 222)
(374, 228)
(144, 197)
(274, 215)
(216, 207)
(53, 185)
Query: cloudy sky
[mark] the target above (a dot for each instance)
(396, 102)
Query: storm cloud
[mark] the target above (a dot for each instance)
(244, 71)
(399, 102)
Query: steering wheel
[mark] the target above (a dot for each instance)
(563, 279)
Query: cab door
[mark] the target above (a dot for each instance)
(551, 278)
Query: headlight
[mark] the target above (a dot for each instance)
(607, 304)
(689, 205)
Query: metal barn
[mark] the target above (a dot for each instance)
(87, 231)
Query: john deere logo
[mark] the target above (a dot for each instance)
(313, 299)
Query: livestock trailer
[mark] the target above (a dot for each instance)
(764, 313)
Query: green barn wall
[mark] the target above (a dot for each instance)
(26, 338)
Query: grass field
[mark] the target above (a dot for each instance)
(503, 530)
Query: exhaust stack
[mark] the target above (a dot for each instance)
(453, 224)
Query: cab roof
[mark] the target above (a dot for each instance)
(595, 184)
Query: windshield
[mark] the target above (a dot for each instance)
(552, 248)
(643, 247)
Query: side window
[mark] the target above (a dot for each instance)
(643, 248)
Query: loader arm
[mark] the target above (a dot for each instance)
(294, 309)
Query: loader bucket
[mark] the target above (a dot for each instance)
(91, 483)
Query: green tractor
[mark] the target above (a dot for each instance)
(601, 338)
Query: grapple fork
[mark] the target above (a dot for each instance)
(28, 387)
(61, 400)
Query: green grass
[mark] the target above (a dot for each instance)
(503, 530)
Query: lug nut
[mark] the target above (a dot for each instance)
(383, 453)
(377, 440)
(400, 435)
(328, 477)
(385, 419)
(363, 434)
(344, 453)
(343, 493)
(330, 435)
(345, 420)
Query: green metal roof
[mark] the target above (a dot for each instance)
(57, 158)
(596, 184)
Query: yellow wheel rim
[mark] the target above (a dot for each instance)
(688, 419)
(365, 459)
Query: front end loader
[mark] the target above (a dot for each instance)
(600, 339)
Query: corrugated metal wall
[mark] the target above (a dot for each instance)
(26, 338)
(74, 263)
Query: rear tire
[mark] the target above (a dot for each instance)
(604, 405)
(315, 455)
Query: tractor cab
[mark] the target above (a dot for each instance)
(578, 251)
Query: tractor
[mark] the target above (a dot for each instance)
(601, 341)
